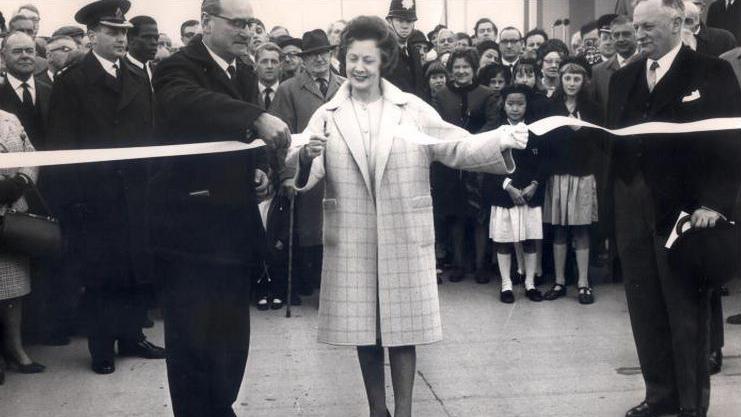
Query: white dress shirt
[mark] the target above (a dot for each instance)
(108, 65)
(17, 86)
(221, 62)
(621, 61)
(144, 67)
(262, 87)
(665, 62)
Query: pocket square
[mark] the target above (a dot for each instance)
(691, 97)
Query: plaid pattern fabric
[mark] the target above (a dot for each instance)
(379, 244)
(15, 279)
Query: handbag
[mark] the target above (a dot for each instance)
(32, 235)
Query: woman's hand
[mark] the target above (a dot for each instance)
(529, 191)
(513, 137)
(314, 148)
(516, 195)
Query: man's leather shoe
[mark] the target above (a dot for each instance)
(103, 367)
(735, 319)
(716, 361)
(143, 349)
(645, 409)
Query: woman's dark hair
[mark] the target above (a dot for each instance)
(552, 45)
(535, 32)
(490, 72)
(364, 28)
(484, 46)
(468, 54)
(524, 64)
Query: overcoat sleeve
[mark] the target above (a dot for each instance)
(183, 97)
(309, 176)
(482, 154)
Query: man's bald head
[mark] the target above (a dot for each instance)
(226, 26)
(658, 26)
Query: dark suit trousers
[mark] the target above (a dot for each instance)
(669, 315)
(207, 335)
(113, 315)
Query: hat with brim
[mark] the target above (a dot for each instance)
(109, 13)
(418, 37)
(315, 42)
(71, 31)
(708, 257)
(285, 40)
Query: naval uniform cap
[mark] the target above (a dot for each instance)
(109, 13)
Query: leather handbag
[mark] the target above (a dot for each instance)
(29, 234)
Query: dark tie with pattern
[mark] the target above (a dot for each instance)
(323, 86)
(268, 100)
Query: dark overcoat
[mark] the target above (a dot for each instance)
(204, 207)
(102, 205)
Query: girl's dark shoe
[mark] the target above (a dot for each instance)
(31, 368)
(507, 297)
(586, 296)
(263, 304)
(556, 292)
(276, 304)
(534, 295)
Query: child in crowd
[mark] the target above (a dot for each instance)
(516, 199)
(571, 192)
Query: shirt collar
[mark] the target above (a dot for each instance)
(621, 60)
(107, 65)
(16, 83)
(510, 64)
(135, 61)
(665, 62)
(262, 86)
(51, 74)
(219, 60)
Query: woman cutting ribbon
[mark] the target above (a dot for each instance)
(379, 287)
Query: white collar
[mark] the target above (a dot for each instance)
(730, 2)
(389, 92)
(135, 61)
(18, 86)
(665, 62)
(510, 64)
(108, 65)
(220, 61)
(262, 87)
(51, 74)
(621, 60)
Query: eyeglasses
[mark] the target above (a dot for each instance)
(240, 24)
(291, 56)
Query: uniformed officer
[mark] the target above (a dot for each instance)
(103, 102)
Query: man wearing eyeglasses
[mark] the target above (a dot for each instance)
(291, 63)
(58, 52)
(204, 215)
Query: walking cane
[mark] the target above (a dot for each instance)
(290, 255)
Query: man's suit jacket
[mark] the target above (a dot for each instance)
(683, 171)
(734, 58)
(36, 125)
(728, 19)
(296, 100)
(601, 74)
(204, 207)
(714, 41)
(104, 202)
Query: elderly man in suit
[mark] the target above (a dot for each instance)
(656, 178)
(101, 103)
(295, 102)
(707, 40)
(726, 14)
(205, 220)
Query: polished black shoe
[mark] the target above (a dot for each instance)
(716, 361)
(586, 296)
(534, 295)
(507, 297)
(645, 409)
(31, 368)
(103, 367)
(276, 304)
(143, 349)
(735, 319)
(556, 292)
(263, 304)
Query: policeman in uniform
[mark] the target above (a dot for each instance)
(408, 74)
(102, 102)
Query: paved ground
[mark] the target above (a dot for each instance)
(549, 359)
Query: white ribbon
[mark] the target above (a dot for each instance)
(410, 133)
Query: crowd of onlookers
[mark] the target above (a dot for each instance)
(548, 218)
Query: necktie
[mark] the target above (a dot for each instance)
(268, 100)
(232, 70)
(652, 76)
(118, 73)
(27, 98)
(323, 86)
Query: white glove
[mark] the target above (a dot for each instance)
(513, 137)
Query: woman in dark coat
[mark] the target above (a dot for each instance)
(571, 193)
(464, 103)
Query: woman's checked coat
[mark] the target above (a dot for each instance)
(379, 243)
